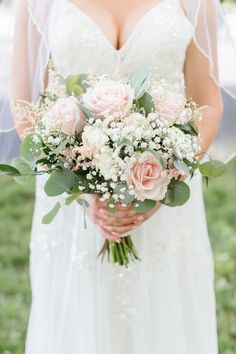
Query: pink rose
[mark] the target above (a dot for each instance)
(148, 177)
(109, 97)
(168, 104)
(67, 115)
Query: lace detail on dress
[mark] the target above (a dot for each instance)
(162, 253)
(162, 34)
(123, 309)
(46, 245)
(81, 263)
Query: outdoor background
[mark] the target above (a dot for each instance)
(16, 208)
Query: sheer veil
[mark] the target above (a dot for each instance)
(25, 62)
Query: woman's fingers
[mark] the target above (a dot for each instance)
(120, 229)
(135, 219)
(125, 213)
(108, 235)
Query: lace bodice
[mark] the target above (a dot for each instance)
(158, 42)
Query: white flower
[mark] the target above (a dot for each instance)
(183, 145)
(94, 136)
(185, 116)
(106, 165)
(137, 120)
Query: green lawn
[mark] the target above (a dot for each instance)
(16, 207)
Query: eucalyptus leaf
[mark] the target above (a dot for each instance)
(88, 114)
(169, 197)
(85, 205)
(83, 202)
(212, 168)
(61, 146)
(76, 84)
(188, 128)
(124, 142)
(60, 181)
(138, 80)
(181, 166)
(83, 80)
(146, 102)
(177, 194)
(72, 198)
(194, 127)
(25, 169)
(49, 217)
(29, 149)
(8, 170)
(143, 207)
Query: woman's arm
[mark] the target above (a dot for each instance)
(198, 70)
(203, 90)
(24, 59)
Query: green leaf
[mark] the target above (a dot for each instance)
(138, 82)
(169, 198)
(212, 168)
(206, 181)
(181, 166)
(61, 146)
(60, 181)
(177, 194)
(88, 114)
(143, 207)
(48, 218)
(146, 103)
(30, 150)
(26, 173)
(76, 84)
(8, 170)
(124, 142)
(72, 198)
(83, 202)
(188, 128)
(84, 205)
(194, 127)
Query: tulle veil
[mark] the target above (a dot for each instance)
(31, 50)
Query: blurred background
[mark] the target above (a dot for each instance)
(16, 208)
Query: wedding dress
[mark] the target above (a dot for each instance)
(162, 305)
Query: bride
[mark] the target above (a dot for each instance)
(164, 304)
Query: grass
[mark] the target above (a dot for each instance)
(16, 206)
(221, 214)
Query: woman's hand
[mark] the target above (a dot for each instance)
(93, 211)
(122, 221)
(125, 219)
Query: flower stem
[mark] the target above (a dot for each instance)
(120, 253)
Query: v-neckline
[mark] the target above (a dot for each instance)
(133, 31)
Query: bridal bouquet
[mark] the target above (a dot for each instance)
(131, 143)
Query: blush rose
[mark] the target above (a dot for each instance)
(67, 115)
(168, 104)
(109, 97)
(148, 177)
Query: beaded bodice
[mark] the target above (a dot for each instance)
(158, 42)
